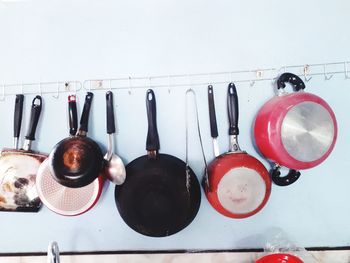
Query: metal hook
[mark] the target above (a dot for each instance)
(3, 93)
(110, 85)
(40, 90)
(326, 76)
(306, 72)
(169, 84)
(346, 70)
(99, 84)
(58, 91)
(150, 82)
(274, 72)
(190, 84)
(129, 80)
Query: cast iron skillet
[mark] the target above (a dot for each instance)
(77, 161)
(161, 194)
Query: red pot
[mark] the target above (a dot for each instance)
(279, 258)
(296, 130)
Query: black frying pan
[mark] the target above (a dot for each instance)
(161, 195)
(77, 161)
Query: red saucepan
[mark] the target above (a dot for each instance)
(77, 161)
(161, 195)
(61, 199)
(279, 258)
(18, 168)
(238, 185)
(296, 130)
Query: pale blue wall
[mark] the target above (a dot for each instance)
(58, 40)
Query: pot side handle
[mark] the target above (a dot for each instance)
(292, 79)
(290, 178)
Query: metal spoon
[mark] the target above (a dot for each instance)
(114, 167)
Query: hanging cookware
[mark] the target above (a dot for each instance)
(77, 161)
(279, 258)
(237, 184)
(296, 130)
(61, 199)
(161, 195)
(114, 168)
(18, 168)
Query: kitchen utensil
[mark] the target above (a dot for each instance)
(279, 258)
(114, 168)
(53, 253)
(213, 123)
(238, 184)
(61, 199)
(296, 130)
(18, 168)
(77, 161)
(161, 195)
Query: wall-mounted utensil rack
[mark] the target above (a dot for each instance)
(306, 71)
(41, 88)
(326, 70)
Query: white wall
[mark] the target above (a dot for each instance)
(59, 40)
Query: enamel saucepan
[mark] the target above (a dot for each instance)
(238, 185)
(296, 130)
(161, 194)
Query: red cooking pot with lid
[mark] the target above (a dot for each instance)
(279, 258)
(296, 130)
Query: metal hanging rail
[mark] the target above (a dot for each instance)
(327, 70)
(307, 71)
(55, 88)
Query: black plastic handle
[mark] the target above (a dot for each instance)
(291, 177)
(212, 115)
(34, 117)
(294, 80)
(17, 120)
(110, 113)
(73, 115)
(84, 121)
(152, 143)
(232, 107)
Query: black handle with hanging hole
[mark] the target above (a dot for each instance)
(212, 114)
(152, 143)
(232, 106)
(34, 117)
(110, 113)
(17, 120)
(73, 115)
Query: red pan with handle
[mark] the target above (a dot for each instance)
(296, 130)
(18, 168)
(161, 194)
(238, 184)
(64, 200)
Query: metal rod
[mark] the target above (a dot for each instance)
(57, 87)
(185, 80)
(314, 70)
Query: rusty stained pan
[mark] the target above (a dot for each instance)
(18, 168)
